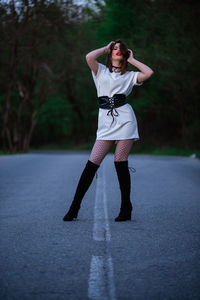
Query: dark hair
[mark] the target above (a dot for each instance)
(125, 55)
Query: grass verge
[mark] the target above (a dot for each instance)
(137, 149)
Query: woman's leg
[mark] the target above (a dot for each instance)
(123, 149)
(99, 151)
(121, 164)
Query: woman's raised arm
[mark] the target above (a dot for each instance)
(92, 56)
(146, 71)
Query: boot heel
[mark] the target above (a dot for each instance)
(129, 216)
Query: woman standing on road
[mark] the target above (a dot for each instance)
(116, 120)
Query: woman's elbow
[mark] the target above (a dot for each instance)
(88, 56)
(151, 72)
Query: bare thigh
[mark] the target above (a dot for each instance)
(99, 150)
(123, 149)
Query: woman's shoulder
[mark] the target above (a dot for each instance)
(101, 70)
(102, 66)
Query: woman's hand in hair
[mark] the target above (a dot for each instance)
(107, 48)
(130, 56)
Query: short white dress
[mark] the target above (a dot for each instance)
(125, 124)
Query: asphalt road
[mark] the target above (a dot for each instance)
(153, 256)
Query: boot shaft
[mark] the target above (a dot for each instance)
(82, 187)
(85, 181)
(123, 175)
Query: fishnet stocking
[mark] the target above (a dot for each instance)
(123, 149)
(102, 147)
(99, 150)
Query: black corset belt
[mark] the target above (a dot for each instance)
(111, 103)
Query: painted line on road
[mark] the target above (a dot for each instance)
(101, 280)
(101, 230)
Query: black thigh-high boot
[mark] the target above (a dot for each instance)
(83, 185)
(125, 187)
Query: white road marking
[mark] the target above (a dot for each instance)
(101, 285)
(97, 288)
(101, 280)
(111, 285)
(101, 230)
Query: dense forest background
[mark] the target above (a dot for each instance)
(47, 94)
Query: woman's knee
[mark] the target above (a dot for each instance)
(121, 155)
(95, 161)
(120, 158)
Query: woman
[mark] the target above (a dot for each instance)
(116, 120)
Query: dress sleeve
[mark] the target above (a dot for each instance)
(135, 75)
(101, 69)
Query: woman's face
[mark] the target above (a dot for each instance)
(116, 54)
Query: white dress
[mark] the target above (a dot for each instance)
(125, 124)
